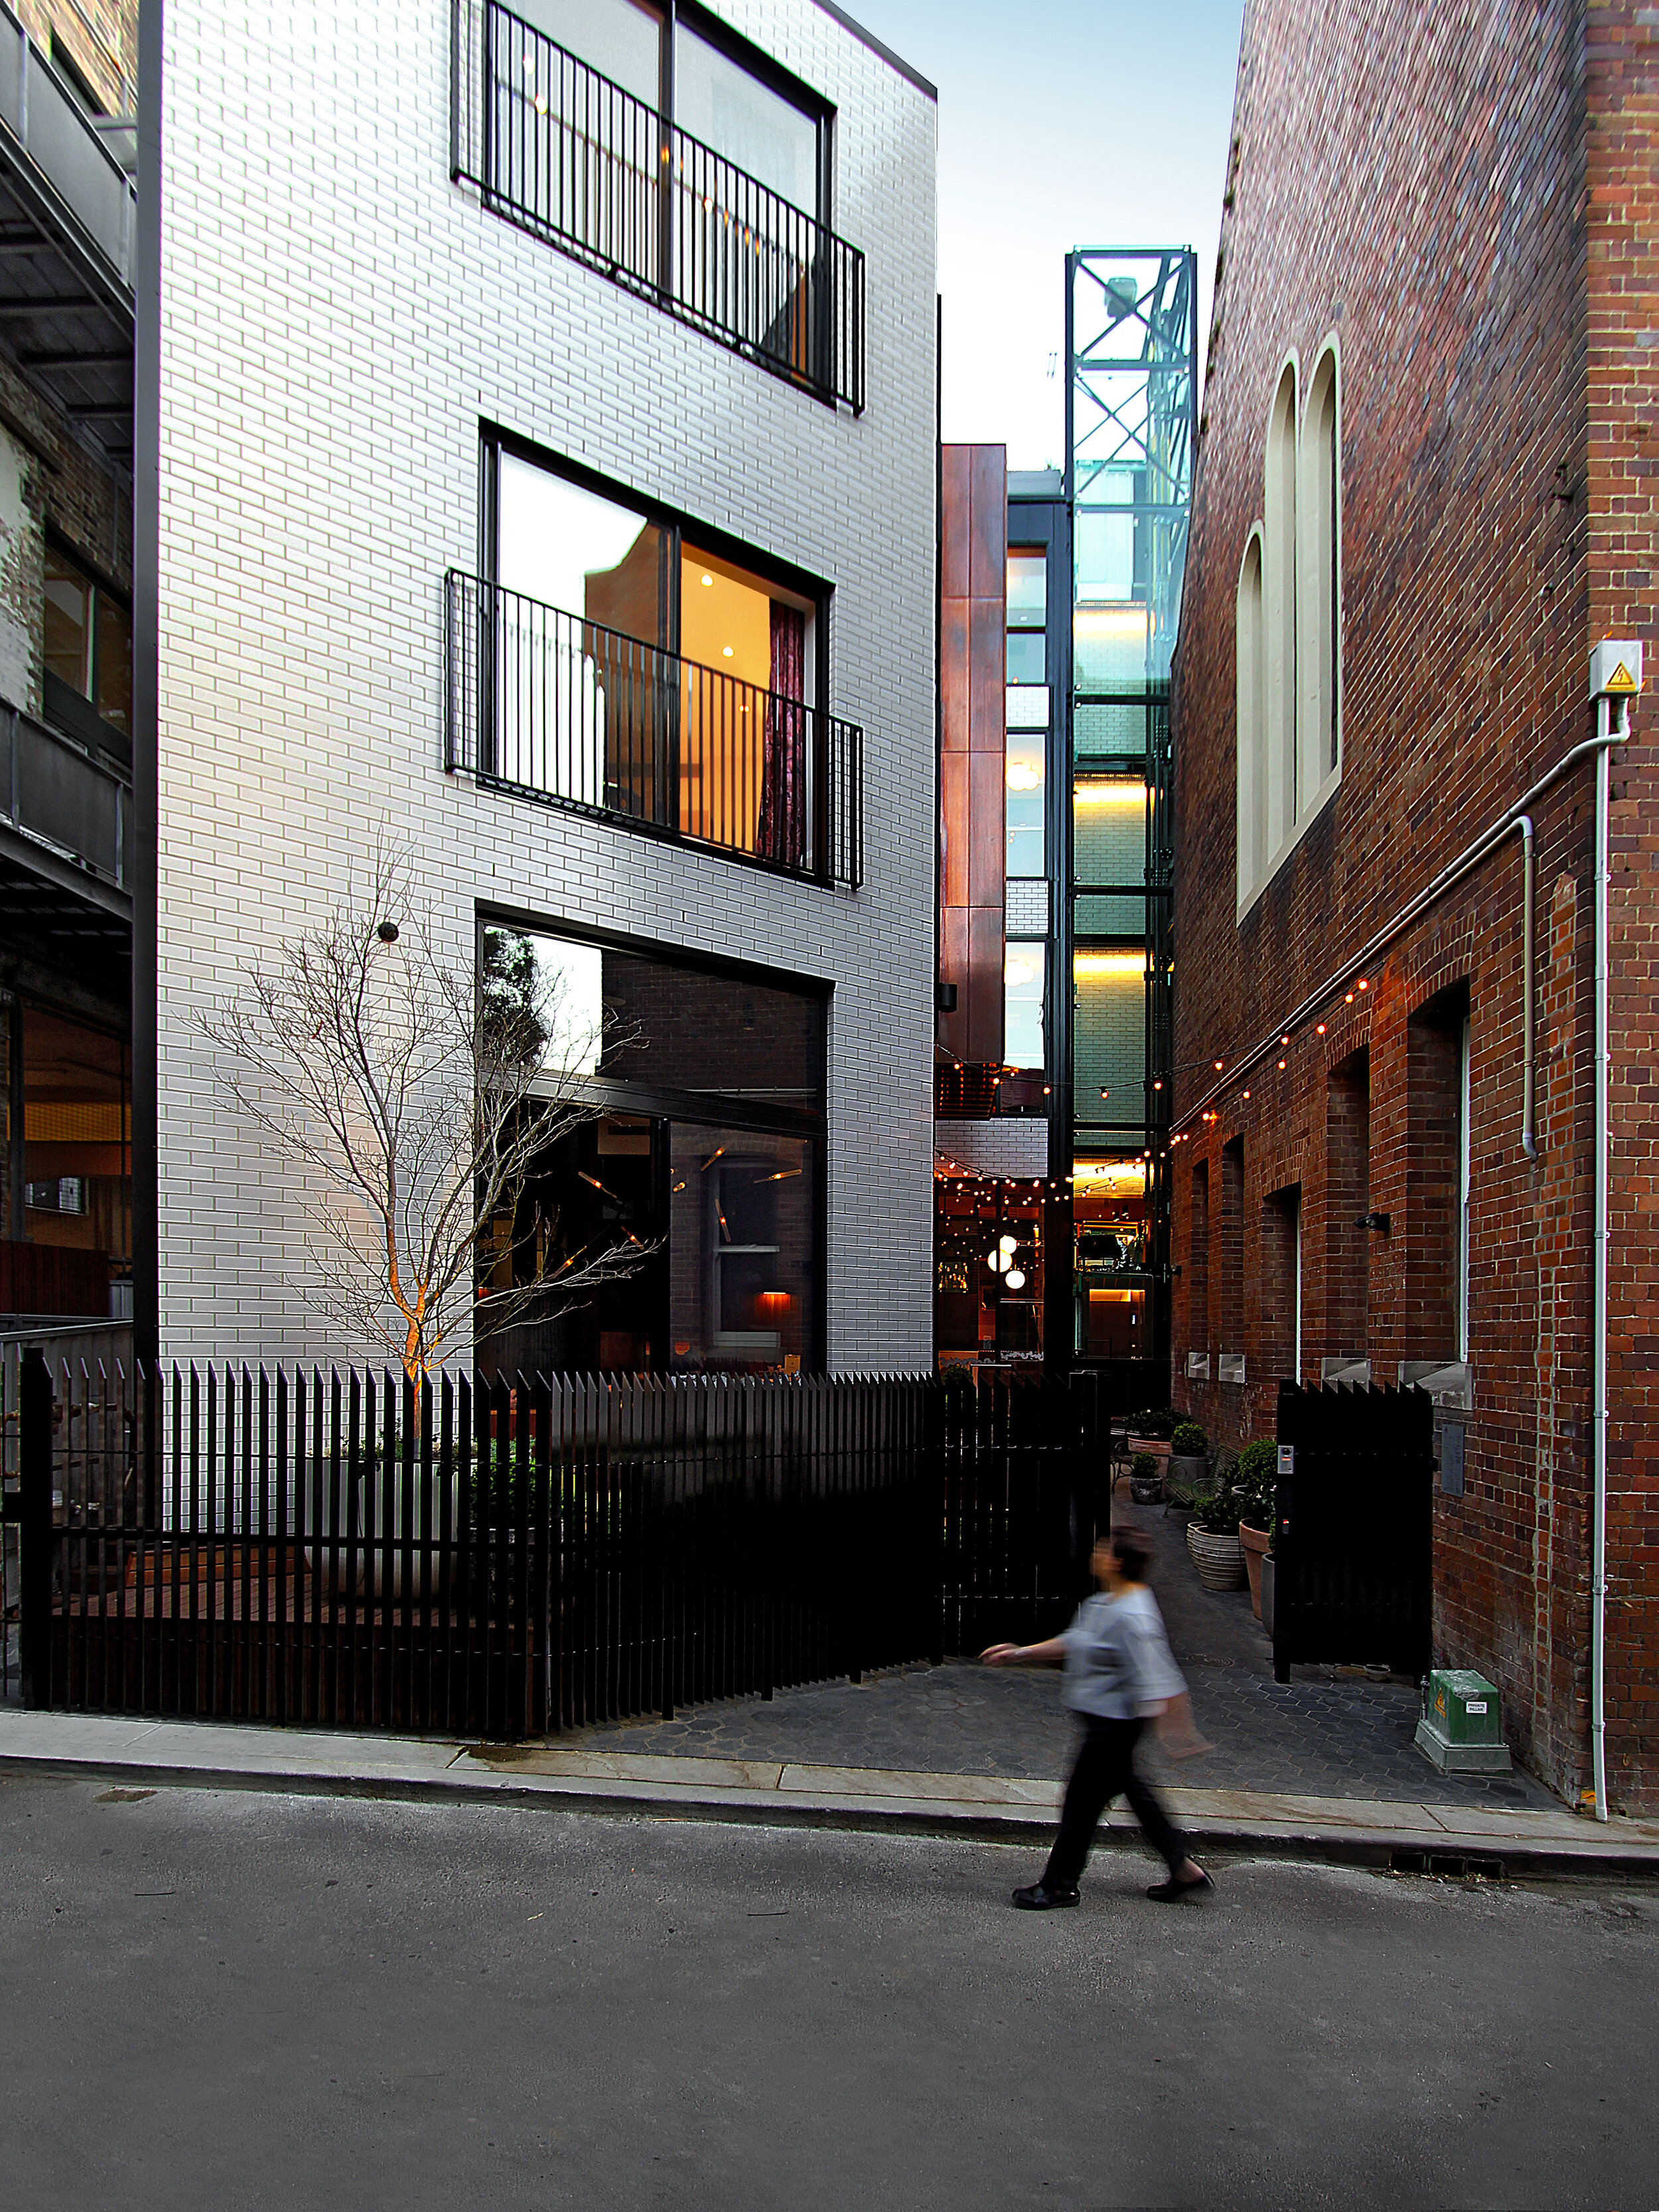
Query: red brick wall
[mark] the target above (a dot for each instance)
(1467, 199)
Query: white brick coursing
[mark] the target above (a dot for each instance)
(337, 320)
(1012, 1145)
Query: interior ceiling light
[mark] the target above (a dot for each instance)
(726, 650)
(1019, 971)
(1022, 776)
(1016, 1279)
(707, 579)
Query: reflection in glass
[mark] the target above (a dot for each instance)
(1027, 590)
(1026, 651)
(67, 642)
(1024, 968)
(718, 101)
(1023, 804)
(619, 37)
(740, 1239)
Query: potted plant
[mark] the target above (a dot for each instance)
(1146, 1478)
(1189, 1450)
(1257, 1465)
(1212, 1539)
(1151, 1431)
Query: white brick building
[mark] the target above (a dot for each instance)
(349, 339)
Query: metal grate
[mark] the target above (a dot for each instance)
(560, 709)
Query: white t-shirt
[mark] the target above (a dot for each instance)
(1118, 1666)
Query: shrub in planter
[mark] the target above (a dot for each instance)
(1146, 1478)
(1212, 1539)
(1257, 1473)
(1188, 1441)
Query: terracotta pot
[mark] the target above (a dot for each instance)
(1254, 1543)
(1219, 1560)
(1158, 1447)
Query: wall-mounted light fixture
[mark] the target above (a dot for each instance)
(1374, 1220)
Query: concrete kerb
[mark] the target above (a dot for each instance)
(413, 1770)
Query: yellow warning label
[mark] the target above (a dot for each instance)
(1622, 680)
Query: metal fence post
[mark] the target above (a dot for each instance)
(35, 1529)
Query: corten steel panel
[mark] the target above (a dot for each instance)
(988, 699)
(953, 823)
(985, 832)
(956, 473)
(953, 969)
(953, 675)
(988, 538)
(984, 958)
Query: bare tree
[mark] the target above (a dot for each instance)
(416, 1099)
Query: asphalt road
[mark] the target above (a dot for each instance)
(237, 2000)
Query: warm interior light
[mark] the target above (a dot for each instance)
(1109, 791)
(1022, 776)
(1019, 971)
(1087, 966)
(1016, 1279)
(726, 650)
(707, 579)
(1127, 1176)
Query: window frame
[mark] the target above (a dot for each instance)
(679, 526)
(99, 589)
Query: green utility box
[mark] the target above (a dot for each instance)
(1462, 1727)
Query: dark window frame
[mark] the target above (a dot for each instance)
(766, 568)
(101, 588)
(708, 1109)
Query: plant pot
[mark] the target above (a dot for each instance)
(1267, 1595)
(1193, 1474)
(1219, 1560)
(1254, 1543)
(1146, 1490)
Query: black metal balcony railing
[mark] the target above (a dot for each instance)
(569, 155)
(561, 710)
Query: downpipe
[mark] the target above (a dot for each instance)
(1608, 733)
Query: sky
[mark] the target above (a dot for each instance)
(1062, 122)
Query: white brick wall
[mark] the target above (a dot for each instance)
(337, 320)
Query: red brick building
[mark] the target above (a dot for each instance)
(1425, 490)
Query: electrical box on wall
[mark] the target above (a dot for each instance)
(1616, 668)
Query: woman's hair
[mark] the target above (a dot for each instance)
(1132, 1550)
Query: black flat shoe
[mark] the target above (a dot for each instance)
(1172, 1892)
(1039, 1897)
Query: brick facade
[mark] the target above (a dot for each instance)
(1466, 202)
(337, 320)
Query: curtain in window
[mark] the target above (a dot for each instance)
(780, 832)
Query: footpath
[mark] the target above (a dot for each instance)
(1322, 1768)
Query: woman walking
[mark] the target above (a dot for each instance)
(1119, 1674)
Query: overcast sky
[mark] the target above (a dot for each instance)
(1062, 122)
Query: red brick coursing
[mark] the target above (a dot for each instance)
(1469, 199)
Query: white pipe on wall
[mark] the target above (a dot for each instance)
(1606, 737)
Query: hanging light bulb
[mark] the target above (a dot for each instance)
(1016, 1280)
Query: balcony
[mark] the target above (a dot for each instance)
(577, 160)
(554, 708)
(65, 835)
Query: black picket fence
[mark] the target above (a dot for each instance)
(509, 1560)
(1353, 1545)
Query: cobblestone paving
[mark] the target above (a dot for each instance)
(1328, 1733)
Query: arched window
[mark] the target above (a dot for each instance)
(1278, 591)
(1251, 725)
(1321, 578)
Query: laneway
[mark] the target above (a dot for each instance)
(1328, 1733)
(251, 2000)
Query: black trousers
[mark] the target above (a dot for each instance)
(1105, 1769)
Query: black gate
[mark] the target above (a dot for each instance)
(1353, 1561)
(341, 1550)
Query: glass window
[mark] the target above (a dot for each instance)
(1109, 1035)
(620, 39)
(725, 1216)
(1108, 830)
(113, 662)
(1027, 653)
(1024, 968)
(717, 100)
(77, 1137)
(1027, 590)
(1024, 802)
(67, 645)
(570, 548)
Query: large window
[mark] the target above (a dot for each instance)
(88, 643)
(659, 146)
(1027, 740)
(640, 668)
(705, 1149)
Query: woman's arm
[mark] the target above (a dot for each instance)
(1051, 1653)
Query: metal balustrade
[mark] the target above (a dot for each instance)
(560, 149)
(560, 709)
